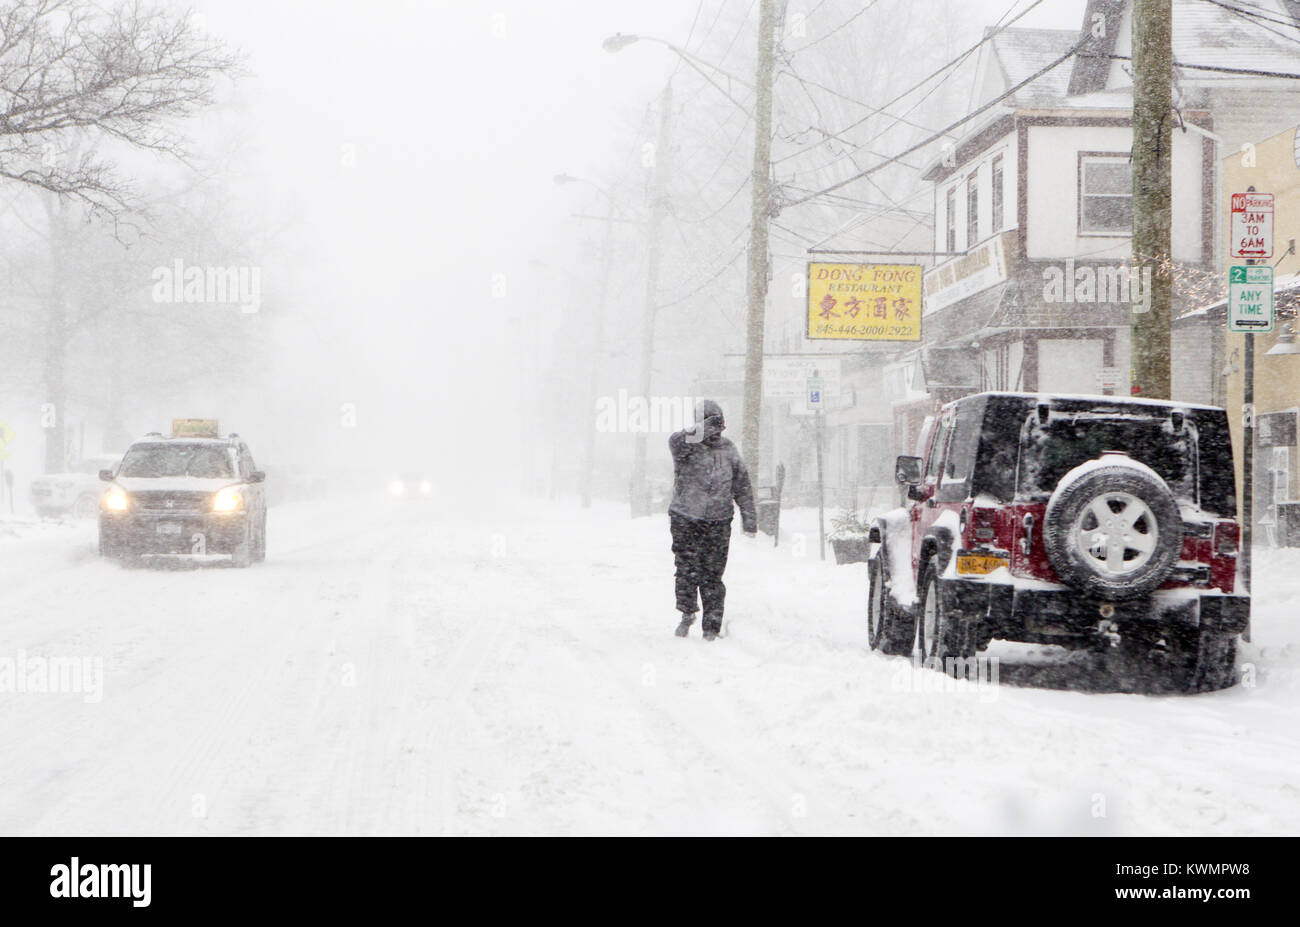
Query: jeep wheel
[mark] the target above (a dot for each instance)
(884, 624)
(1113, 529)
(941, 636)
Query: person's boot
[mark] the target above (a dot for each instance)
(711, 629)
(684, 628)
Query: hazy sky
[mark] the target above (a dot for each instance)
(412, 145)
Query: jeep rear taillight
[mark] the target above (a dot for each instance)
(1226, 535)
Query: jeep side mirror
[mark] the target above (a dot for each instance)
(257, 476)
(916, 492)
(106, 475)
(908, 470)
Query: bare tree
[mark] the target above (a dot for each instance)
(79, 80)
(125, 73)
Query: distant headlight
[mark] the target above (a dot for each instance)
(397, 487)
(116, 499)
(425, 487)
(229, 499)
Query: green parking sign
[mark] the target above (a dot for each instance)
(1250, 298)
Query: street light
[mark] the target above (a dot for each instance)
(618, 41)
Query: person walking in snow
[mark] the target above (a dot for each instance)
(708, 478)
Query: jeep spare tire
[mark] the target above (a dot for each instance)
(1112, 528)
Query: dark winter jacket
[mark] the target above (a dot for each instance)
(708, 475)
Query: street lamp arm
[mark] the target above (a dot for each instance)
(693, 58)
(619, 41)
(617, 212)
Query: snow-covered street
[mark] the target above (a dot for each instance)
(509, 668)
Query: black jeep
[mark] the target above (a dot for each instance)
(1085, 522)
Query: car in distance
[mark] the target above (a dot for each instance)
(410, 486)
(1085, 522)
(75, 492)
(194, 493)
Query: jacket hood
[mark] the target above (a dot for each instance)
(707, 408)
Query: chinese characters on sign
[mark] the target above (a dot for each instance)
(864, 302)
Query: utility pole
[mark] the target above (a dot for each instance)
(1152, 181)
(760, 213)
(598, 350)
(639, 490)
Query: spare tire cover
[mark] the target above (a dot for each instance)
(1113, 528)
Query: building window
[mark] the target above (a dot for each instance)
(997, 201)
(951, 244)
(972, 210)
(1105, 194)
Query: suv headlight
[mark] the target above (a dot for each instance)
(229, 499)
(116, 499)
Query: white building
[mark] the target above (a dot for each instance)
(1033, 203)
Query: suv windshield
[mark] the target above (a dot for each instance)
(199, 460)
(1050, 451)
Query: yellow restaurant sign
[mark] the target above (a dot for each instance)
(864, 302)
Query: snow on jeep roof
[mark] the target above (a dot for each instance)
(1095, 399)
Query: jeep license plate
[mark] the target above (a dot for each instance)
(978, 563)
(169, 527)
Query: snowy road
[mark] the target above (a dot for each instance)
(513, 670)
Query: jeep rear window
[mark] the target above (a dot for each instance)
(1048, 452)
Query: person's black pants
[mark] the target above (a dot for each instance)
(700, 553)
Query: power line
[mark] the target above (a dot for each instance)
(843, 96)
(998, 27)
(709, 279)
(1256, 14)
(842, 25)
(1217, 69)
(695, 21)
(988, 36)
(960, 122)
